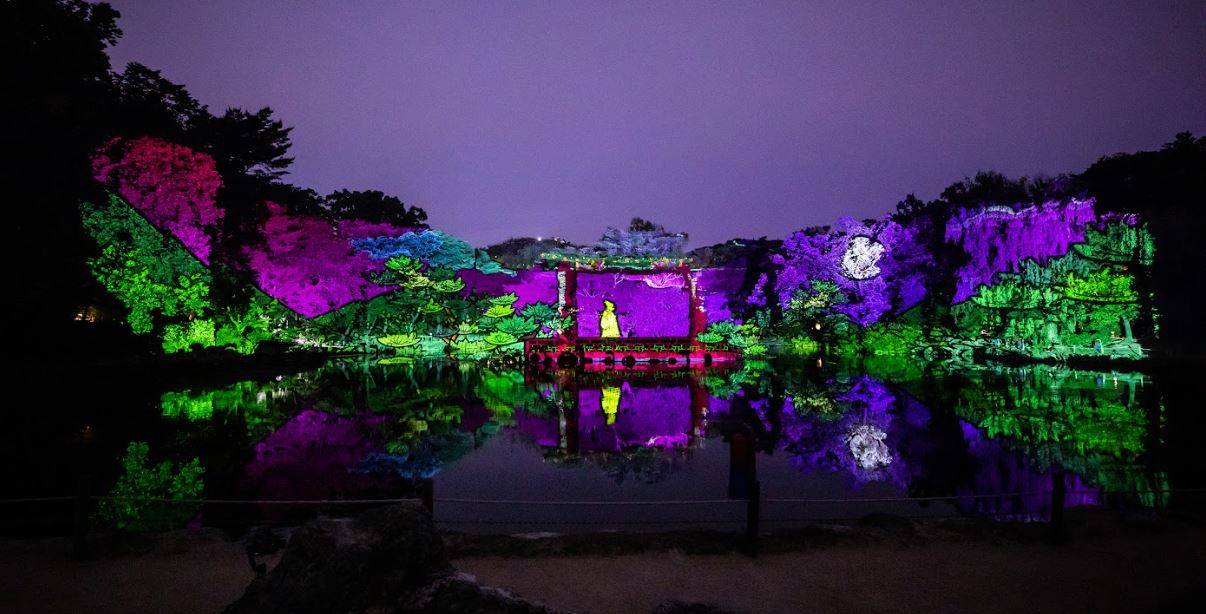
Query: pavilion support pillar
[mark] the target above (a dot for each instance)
(567, 299)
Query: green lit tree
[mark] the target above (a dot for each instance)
(166, 290)
(151, 274)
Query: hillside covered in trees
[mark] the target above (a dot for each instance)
(146, 220)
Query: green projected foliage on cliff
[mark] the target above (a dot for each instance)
(166, 290)
(151, 274)
(1084, 303)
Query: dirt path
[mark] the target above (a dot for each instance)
(195, 576)
(1108, 576)
(1144, 573)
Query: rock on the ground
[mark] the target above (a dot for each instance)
(390, 559)
(460, 593)
(674, 606)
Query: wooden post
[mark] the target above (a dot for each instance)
(1057, 505)
(753, 514)
(82, 459)
(697, 318)
(567, 297)
(572, 413)
(79, 533)
(427, 494)
(699, 406)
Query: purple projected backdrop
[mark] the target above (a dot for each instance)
(530, 285)
(647, 305)
(718, 291)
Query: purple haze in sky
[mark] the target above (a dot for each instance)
(722, 120)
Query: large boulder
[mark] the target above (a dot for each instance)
(390, 559)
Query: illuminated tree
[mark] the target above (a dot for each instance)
(149, 273)
(1067, 305)
(641, 238)
(877, 267)
(165, 289)
(305, 264)
(1064, 418)
(173, 186)
(997, 239)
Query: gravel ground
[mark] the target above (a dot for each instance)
(1112, 570)
(1162, 575)
(181, 574)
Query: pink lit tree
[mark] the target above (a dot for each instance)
(171, 185)
(308, 266)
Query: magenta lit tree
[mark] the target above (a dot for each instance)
(172, 185)
(308, 266)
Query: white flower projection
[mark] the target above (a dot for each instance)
(861, 255)
(866, 443)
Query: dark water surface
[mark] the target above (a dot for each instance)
(509, 450)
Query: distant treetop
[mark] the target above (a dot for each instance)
(373, 206)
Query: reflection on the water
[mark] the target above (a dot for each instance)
(354, 429)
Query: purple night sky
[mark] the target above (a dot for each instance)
(723, 120)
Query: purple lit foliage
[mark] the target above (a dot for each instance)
(879, 267)
(306, 265)
(718, 289)
(999, 470)
(314, 456)
(997, 239)
(861, 441)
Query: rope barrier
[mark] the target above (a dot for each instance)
(37, 499)
(541, 502)
(594, 502)
(216, 501)
(931, 498)
(263, 501)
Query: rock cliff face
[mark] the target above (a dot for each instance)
(386, 560)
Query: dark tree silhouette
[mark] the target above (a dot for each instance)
(147, 103)
(252, 145)
(993, 188)
(643, 225)
(373, 206)
(54, 106)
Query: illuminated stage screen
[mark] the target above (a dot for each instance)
(646, 304)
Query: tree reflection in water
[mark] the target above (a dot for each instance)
(353, 429)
